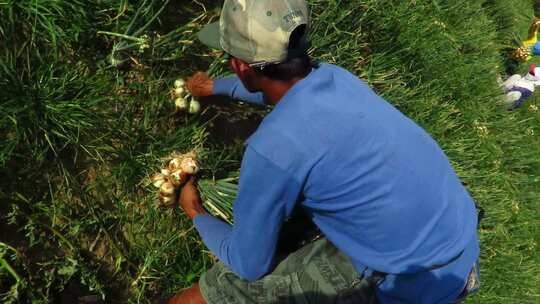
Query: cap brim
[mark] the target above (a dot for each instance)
(210, 36)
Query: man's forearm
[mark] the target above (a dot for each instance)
(232, 86)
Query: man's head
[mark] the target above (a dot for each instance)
(267, 39)
(291, 69)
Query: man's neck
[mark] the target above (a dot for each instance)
(274, 90)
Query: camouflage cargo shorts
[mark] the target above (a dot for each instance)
(316, 273)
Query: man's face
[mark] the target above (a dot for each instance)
(246, 74)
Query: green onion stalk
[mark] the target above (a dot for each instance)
(218, 197)
(133, 38)
(159, 47)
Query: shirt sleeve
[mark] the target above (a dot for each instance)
(233, 87)
(266, 196)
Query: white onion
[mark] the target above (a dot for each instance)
(167, 200)
(189, 166)
(177, 174)
(157, 180)
(174, 164)
(180, 103)
(178, 92)
(179, 83)
(167, 188)
(194, 106)
(176, 178)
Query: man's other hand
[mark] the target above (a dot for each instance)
(190, 200)
(200, 85)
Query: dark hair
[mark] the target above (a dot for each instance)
(298, 65)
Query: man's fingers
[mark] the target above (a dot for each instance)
(200, 84)
(184, 179)
(196, 78)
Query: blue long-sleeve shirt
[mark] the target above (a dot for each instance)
(375, 183)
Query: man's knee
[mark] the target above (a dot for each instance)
(191, 295)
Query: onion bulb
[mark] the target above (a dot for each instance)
(166, 200)
(167, 188)
(157, 180)
(189, 166)
(174, 164)
(178, 92)
(179, 83)
(180, 103)
(194, 106)
(176, 178)
(167, 193)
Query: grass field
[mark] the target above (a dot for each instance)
(87, 117)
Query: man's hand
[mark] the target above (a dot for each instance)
(200, 85)
(190, 200)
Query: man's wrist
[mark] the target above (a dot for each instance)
(195, 210)
(199, 210)
(199, 215)
(222, 86)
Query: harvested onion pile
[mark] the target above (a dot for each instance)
(183, 100)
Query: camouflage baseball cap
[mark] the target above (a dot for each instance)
(258, 31)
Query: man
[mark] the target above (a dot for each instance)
(398, 225)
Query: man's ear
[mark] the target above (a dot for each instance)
(241, 68)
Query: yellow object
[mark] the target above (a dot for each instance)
(532, 38)
(521, 54)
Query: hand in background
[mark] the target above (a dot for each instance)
(200, 85)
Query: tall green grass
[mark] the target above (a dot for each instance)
(80, 138)
(512, 19)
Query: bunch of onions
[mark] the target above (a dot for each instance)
(177, 169)
(183, 100)
(217, 195)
